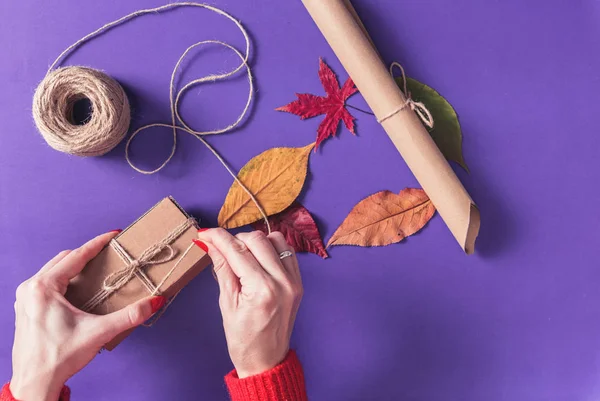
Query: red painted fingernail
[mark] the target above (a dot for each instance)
(200, 244)
(201, 230)
(118, 230)
(157, 303)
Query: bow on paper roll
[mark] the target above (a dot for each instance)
(348, 38)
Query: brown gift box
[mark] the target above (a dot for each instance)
(180, 266)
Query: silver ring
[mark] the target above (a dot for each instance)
(285, 254)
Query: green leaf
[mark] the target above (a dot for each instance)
(446, 130)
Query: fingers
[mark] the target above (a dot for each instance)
(290, 263)
(229, 283)
(107, 327)
(243, 264)
(72, 264)
(52, 262)
(264, 252)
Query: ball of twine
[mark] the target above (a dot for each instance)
(53, 104)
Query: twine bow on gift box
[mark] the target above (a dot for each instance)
(135, 267)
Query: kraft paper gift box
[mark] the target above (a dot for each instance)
(153, 256)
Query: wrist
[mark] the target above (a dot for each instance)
(255, 366)
(42, 389)
(244, 372)
(284, 381)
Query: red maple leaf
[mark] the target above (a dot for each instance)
(298, 227)
(333, 105)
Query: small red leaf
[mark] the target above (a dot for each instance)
(333, 105)
(299, 229)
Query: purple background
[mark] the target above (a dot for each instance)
(413, 321)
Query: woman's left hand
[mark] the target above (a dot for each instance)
(53, 339)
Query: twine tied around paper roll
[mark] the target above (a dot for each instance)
(135, 267)
(418, 107)
(108, 124)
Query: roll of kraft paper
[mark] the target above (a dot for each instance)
(346, 35)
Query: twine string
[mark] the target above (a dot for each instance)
(417, 107)
(104, 131)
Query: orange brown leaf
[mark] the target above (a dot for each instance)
(384, 218)
(275, 177)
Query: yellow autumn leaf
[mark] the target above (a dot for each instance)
(275, 177)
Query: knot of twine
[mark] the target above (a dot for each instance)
(60, 89)
(417, 107)
(135, 267)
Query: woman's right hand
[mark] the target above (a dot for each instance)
(260, 295)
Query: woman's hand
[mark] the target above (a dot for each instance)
(260, 296)
(53, 339)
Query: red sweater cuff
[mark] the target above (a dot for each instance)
(6, 395)
(284, 382)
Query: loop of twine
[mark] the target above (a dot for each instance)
(110, 117)
(135, 267)
(417, 107)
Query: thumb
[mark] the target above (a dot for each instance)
(129, 317)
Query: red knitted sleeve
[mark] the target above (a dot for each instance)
(285, 382)
(6, 395)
